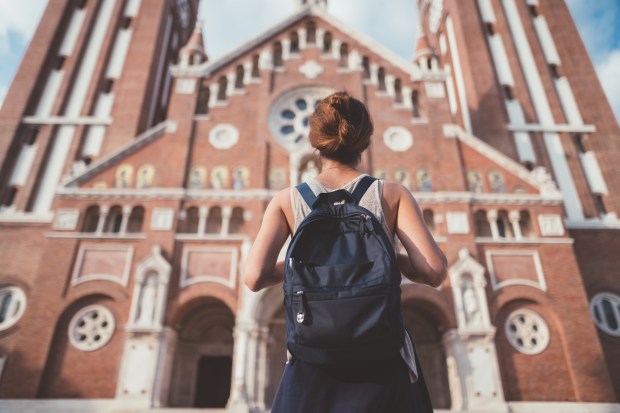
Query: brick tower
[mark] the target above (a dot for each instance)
(135, 171)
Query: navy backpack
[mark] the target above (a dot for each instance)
(342, 283)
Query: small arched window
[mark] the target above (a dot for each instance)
(255, 66)
(91, 219)
(223, 85)
(398, 91)
(277, 54)
(239, 74)
(114, 220)
(236, 221)
(311, 32)
(344, 55)
(202, 106)
(366, 67)
(504, 227)
(294, 47)
(381, 79)
(327, 42)
(214, 221)
(415, 103)
(483, 228)
(136, 218)
(191, 221)
(525, 223)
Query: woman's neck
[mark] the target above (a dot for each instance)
(335, 174)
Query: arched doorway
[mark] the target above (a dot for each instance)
(426, 332)
(201, 375)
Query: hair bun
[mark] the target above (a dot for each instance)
(340, 127)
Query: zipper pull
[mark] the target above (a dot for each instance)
(301, 315)
(368, 224)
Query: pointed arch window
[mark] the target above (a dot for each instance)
(192, 219)
(525, 223)
(398, 91)
(236, 221)
(202, 107)
(366, 67)
(483, 228)
(504, 227)
(415, 103)
(255, 68)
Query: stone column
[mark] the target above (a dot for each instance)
(203, 212)
(492, 218)
(226, 214)
(125, 220)
(514, 217)
(103, 214)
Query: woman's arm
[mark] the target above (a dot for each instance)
(424, 262)
(261, 269)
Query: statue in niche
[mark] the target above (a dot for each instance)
(471, 306)
(310, 170)
(402, 177)
(277, 178)
(145, 176)
(474, 181)
(123, 176)
(219, 177)
(145, 313)
(241, 177)
(197, 177)
(496, 182)
(423, 179)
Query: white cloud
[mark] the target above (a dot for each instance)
(19, 18)
(608, 72)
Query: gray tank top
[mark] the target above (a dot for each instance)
(372, 202)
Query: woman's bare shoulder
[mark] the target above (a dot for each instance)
(393, 192)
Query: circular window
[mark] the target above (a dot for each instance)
(91, 328)
(290, 115)
(12, 306)
(605, 308)
(223, 136)
(398, 139)
(527, 331)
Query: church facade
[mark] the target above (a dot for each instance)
(135, 171)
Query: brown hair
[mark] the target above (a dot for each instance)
(340, 128)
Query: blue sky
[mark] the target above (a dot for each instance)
(598, 22)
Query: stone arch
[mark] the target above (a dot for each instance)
(517, 368)
(427, 330)
(66, 365)
(202, 362)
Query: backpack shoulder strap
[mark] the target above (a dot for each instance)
(306, 193)
(361, 187)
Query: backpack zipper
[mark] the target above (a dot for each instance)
(301, 315)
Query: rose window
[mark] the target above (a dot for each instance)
(290, 115)
(91, 328)
(527, 332)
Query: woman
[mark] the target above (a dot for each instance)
(340, 130)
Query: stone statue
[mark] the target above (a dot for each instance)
(145, 314)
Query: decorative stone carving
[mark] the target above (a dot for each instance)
(458, 222)
(224, 136)
(311, 69)
(91, 328)
(397, 138)
(162, 219)
(550, 225)
(66, 219)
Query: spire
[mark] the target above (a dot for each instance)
(193, 52)
(316, 3)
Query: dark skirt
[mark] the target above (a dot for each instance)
(379, 388)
